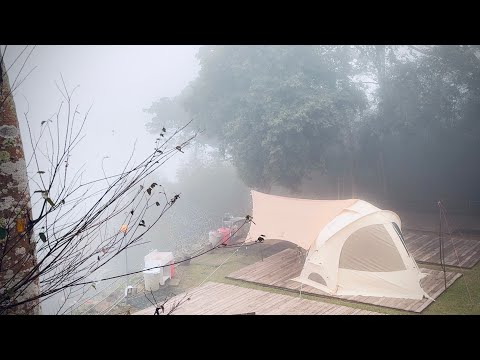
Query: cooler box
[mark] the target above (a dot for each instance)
(161, 274)
(152, 279)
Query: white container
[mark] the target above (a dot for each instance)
(214, 237)
(159, 258)
(130, 290)
(152, 279)
(160, 274)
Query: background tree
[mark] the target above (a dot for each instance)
(274, 109)
(428, 131)
(397, 123)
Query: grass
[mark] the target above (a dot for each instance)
(462, 298)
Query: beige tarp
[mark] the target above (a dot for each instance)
(296, 220)
(354, 248)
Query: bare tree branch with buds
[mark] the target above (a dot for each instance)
(72, 231)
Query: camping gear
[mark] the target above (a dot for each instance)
(152, 279)
(354, 248)
(214, 237)
(230, 231)
(160, 273)
(225, 233)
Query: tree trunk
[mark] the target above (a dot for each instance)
(352, 175)
(384, 180)
(381, 74)
(17, 248)
(338, 187)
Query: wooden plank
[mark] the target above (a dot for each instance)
(229, 302)
(331, 311)
(459, 252)
(326, 308)
(306, 307)
(272, 307)
(249, 301)
(432, 284)
(260, 268)
(271, 304)
(208, 301)
(288, 266)
(232, 299)
(285, 306)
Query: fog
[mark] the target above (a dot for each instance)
(117, 81)
(396, 126)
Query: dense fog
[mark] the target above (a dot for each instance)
(394, 125)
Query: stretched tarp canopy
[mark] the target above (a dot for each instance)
(354, 248)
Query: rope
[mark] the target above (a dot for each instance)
(102, 300)
(119, 300)
(160, 266)
(214, 271)
(300, 260)
(91, 297)
(248, 219)
(440, 239)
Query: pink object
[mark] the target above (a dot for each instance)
(160, 265)
(172, 270)
(225, 232)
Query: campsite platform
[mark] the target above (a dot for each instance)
(277, 270)
(459, 251)
(223, 299)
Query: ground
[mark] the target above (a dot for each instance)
(463, 297)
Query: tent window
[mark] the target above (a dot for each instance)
(371, 249)
(317, 278)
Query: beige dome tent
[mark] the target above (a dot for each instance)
(354, 248)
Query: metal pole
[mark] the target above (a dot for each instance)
(440, 234)
(440, 239)
(126, 278)
(126, 264)
(338, 187)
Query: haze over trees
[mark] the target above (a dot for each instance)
(395, 123)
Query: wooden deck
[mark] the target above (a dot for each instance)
(223, 299)
(459, 252)
(277, 270)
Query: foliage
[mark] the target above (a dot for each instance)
(428, 129)
(399, 117)
(273, 109)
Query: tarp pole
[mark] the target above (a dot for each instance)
(440, 239)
